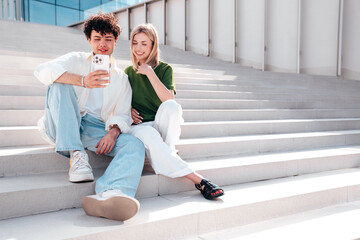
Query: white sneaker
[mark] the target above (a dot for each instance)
(80, 169)
(111, 204)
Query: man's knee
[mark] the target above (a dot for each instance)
(61, 89)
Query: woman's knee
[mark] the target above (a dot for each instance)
(147, 135)
(171, 107)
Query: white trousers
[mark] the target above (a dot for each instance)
(160, 137)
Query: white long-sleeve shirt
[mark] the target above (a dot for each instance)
(116, 107)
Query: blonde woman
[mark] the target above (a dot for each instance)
(156, 115)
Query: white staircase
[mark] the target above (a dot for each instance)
(280, 144)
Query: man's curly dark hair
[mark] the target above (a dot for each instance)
(102, 23)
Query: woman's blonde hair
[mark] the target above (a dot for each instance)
(150, 31)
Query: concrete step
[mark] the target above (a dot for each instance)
(52, 192)
(331, 223)
(231, 94)
(253, 144)
(25, 77)
(241, 205)
(30, 80)
(40, 90)
(9, 136)
(258, 104)
(266, 89)
(29, 160)
(30, 117)
(235, 128)
(8, 79)
(37, 103)
(257, 78)
(196, 115)
(21, 90)
(13, 63)
(264, 83)
(20, 136)
(22, 102)
(20, 117)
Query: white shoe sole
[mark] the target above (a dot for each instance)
(120, 208)
(76, 178)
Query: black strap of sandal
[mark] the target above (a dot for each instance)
(209, 188)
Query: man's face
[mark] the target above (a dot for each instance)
(102, 44)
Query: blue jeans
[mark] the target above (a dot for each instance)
(70, 131)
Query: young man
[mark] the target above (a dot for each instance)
(84, 111)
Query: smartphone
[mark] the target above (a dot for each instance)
(101, 62)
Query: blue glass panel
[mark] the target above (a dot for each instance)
(42, 12)
(68, 3)
(82, 15)
(86, 4)
(66, 16)
(48, 1)
(26, 10)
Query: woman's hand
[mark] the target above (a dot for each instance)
(107, 143)
(144, 69)
(136, 116)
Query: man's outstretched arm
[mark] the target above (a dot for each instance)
(92, 80)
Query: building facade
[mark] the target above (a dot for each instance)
(58, 12)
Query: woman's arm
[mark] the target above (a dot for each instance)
(161, 90)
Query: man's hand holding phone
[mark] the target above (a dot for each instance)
(99, 77)
(95, 79)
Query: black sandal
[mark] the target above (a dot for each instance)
(210, 190)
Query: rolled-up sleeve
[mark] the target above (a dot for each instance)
(49, 72)
(122, 111)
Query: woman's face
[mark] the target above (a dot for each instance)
(141, 47)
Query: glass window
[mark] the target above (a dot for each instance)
(66, 16)
(86, 4)
(82, 15)
(68, 3)
(91, 11)
(42, 12)
(48, 1)
(26, 10)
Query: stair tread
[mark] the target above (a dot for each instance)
(26, 150)
(74, 222)
(264, 137)
(244, 160)
(40, 149)
(204, 123)
(331, 223)
(270, 121)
